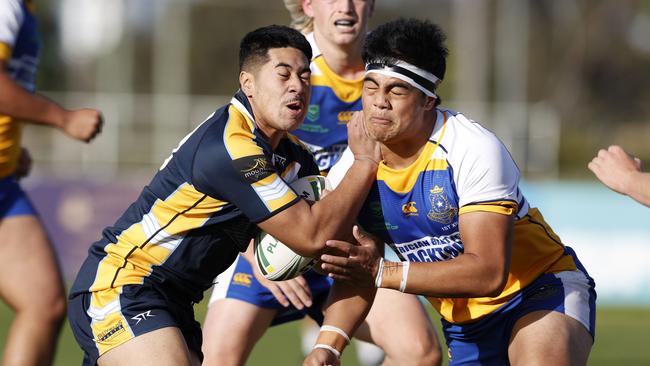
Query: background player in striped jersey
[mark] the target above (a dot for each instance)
(132, 300)
(509, 291)
(244, 304)
(30, 279)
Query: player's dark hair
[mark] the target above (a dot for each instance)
(418, 42)
(254, 48)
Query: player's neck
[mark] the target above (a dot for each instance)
(345, 61)
(270, 134)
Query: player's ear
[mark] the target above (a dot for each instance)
(307, 9)
(429, 103)
(247, 83)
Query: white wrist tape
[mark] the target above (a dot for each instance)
(329, 348)
(405, 275)
(331, 328)
(380, 273)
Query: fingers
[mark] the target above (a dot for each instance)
(342, 247)
(294, 292)
(279, 295)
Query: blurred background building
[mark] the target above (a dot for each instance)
(556, 80)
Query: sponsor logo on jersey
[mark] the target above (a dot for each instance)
(313, 112)
(431, 248)
(345, 117)
(115, 330)
(142, 316)
(441, 210)
(253, 168)
(242, 279)
(408, 209)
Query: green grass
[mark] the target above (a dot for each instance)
(622, 336)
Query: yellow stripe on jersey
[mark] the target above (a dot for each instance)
(346, 90)
(394, 178)
(501, 207)
(274, 192)
(10, 132)
(151, 241)
(238, 136)
(5, 51)
(533, 242)
(109, 327)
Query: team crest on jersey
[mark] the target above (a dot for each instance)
(253, 168)
(313, 112)
(441, 210)
(408, 209)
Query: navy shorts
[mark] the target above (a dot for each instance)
(238, 282)
(485, 342)
(13, 200)
(103, 320)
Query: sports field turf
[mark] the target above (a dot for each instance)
(623, 338)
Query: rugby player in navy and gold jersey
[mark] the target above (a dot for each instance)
(447, 200)
(132, 300)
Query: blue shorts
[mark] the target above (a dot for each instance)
(485, 342)
(238, 282)
(13, 200)
(103, 320)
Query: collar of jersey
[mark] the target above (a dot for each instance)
(241, 104)
(403, 180)
(347, 90)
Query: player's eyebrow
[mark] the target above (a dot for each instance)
(285, 65)
(393, 84)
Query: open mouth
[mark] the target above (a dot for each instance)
(295, 106)
(345, 23)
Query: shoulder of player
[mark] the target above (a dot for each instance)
(462, 134)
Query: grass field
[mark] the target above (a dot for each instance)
(622, 338)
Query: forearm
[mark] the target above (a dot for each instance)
(338, 211)
(305, 229)
(20, 104)
(464, 276)
(347, 307)
(639, 187)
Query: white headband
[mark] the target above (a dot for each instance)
(417, 77)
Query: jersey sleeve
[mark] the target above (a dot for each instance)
(229, 165)
(336, 174)
(486, 175)
(11, 16)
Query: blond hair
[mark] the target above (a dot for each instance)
(299, 20)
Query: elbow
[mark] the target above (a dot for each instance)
(493, 284)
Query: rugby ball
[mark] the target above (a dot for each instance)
(275, 260)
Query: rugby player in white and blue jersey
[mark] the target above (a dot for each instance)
(243, 303)
(446, 199)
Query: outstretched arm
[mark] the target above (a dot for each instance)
(482, 270)
(305, 228)
(80, 124)
(622, 173)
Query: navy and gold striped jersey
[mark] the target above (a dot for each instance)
(462, 168)
(19, 49)
(333, 100)
(200, 209)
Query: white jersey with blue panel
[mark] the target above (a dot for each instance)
(462, 168)
(333, 100)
